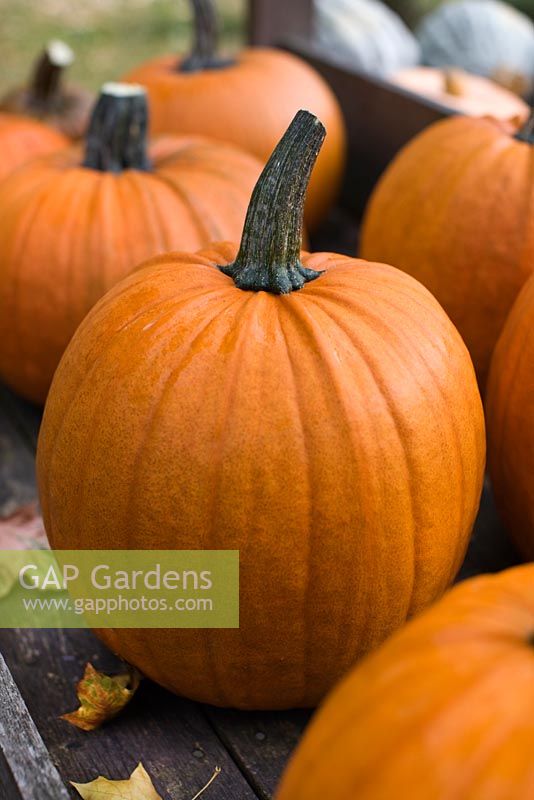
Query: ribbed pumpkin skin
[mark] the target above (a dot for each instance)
(334, 436)
(366, 34)
(510, 410)
(250, 104)
(443, 711)
(22, 139)
(68, 234)
(454, 211)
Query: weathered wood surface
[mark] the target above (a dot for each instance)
(26, 771)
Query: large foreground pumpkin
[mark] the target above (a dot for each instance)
(317, 413)
(510, 410)
(249, 100)
(454, 210)
(443, 711)
(74, 224)
(22, 139)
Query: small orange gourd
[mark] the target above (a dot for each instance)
(248, 100)
(454, 211)
(443, 711)
(75, 223)
(317, 413)
(510, 412)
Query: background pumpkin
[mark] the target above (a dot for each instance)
(444, 708)
(72, 226)
(46, 96)
(486, 37)
(465, 93)
(365, 34)
(333, 434)
(510, 410)
(249, 100)
(22, 139)
(454, 211)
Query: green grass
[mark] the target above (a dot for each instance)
(108, 36)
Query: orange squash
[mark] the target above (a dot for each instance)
(443, 711)
(46, 97)
(22, 139)
(510, 411)
(454, 211)
(317, 413)
(74, 224)
(468, 94)
(249, 100)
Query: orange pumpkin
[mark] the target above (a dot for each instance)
(510, 411)
(317, 413)
(73, 226)
(249, 101)
(468, 94)
(47, 98)
(454, 211)
(22, 139)
(443, 711)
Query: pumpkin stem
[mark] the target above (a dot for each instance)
(45, 86)
(269, 256)
(117, 136)
(526, 133)
(204, 53)
(453, 83)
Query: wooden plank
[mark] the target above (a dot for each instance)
(269, 21)
(26, 770)
(171, 736)
(260, 742)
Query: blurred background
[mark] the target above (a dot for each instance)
(110, 36)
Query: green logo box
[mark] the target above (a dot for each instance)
(119, 589)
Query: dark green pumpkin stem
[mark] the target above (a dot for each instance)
(45, 86)
(269, 256)
(117, 136)
(526, 133)
(204, 53)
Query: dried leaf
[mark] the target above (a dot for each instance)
(101, 697)
(23, 530)
(137, 787)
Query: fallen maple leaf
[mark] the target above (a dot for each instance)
(23, 530)
(137, 787)
(101, 697)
